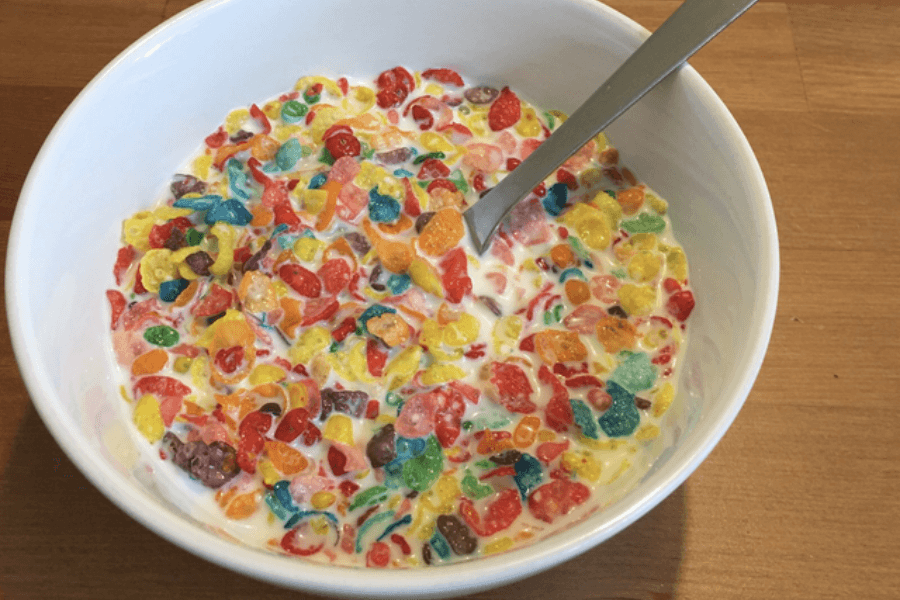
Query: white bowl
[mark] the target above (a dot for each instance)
(119, 142)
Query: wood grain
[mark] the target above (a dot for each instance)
(800, 499)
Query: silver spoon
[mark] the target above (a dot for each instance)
(691, 26)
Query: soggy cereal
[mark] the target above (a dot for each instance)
(308, 341)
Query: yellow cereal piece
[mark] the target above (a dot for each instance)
(325, 117)
(322, 500)
(178, 257)
(402, 367)
(156, 266)
(319, 525)
(583, 463)
(647, 432)
(148, 419)
(435, 142)
(352, 364)
(530, 265)
(298, 397)
(506, 334)
(384, 419)
(230, 330)
(637, 299)
(644, 266)
(623, 466)
(270, 474)
(311, 342)
(461, 332)
(602, 141)
(225, 235)
(391, 186)
(634, 244)
(136, 230)
(498, 545)
(370, 175)
(338, 428)
(236, 119)
(663, 399)
(441, 373)
(676, 263)
(312, 201)
(198, 370)
(432, 336)
(200, 166)
(656, 203)
(306, 248)
(266, 374)
(330, 85)
(545, 435)
(591, 225)
(423, 275)
(124, 393)
(433, 89)
(272, 109)
(528, 125)
(609, 206)
(590, 177)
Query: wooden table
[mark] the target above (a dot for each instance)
(802, 497)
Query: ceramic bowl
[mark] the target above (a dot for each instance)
(117, 145)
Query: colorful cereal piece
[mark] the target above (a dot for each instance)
(442, 232)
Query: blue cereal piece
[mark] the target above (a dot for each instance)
(169, 290)
(199, 204)
(376, 310)
(276, 508)
(401, 173)
(398, 283)
(555, 200)
(395, 525)
(237, 179)
(636, 373)
(317, 181)
(282, 492)
(287, 156)
(440, 545)
(230, 211)
(528, 474)
(383, 209)
(584, 418)
(570, 273)
(622, 417)
(645, 223)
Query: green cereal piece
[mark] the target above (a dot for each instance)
(645, 223)
(421, 472)
(161, 335)
(373, 495)
(635, 373)
(473, 489)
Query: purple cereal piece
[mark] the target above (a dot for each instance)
(213, 464)
(481, 94)
(186, 184)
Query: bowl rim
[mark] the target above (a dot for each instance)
(461, 577)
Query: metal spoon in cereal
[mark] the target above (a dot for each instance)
(690, 27)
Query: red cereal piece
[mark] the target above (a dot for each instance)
(292, 425)
(455, 278)
(444, 76)
(117, 304)
(379, 555)
(124, 257)
(376, 358)
(500, 514)
(681, 304)
(557, 498)
(433, 168)
(319, 309)
(218, 300)
(394, 86)
(301, 280)
(348, 488)
(505, 111)
(346, 327)
(513, 388)
(217, 139)
(292, 543)
(558, 413)
(546, 452)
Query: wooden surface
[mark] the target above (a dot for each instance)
(802, 497)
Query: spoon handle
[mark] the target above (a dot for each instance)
(691, 26)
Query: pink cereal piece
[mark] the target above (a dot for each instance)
(528, 146)
(169, 406)
(483, 157)
(604, 288)
(303, 487)
(501, 250)
(507, 142)
(351, 201)
(215, 432)
(528, 223)
(344, 170)
(356, 460)
(498, 280)
(582, 158)
(584, 318)
(417, 416)
(128, 345)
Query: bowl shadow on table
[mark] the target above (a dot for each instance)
(62, 538)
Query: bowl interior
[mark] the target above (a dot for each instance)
(117, 146)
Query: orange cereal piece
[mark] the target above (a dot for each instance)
(631, 200)
(577, 291)
(293, 316)
(554, 346)
(616, 334)
(243, 506)
(262, 215)
(333, 188)
(288, 460)
(257, 293)
(443, 232)
(394, 256)
(187, 294)
(446, 315)
(526, 431)
(150, 362)
(390, 327)
(264, 148)
(401, 225)
(562, 256)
